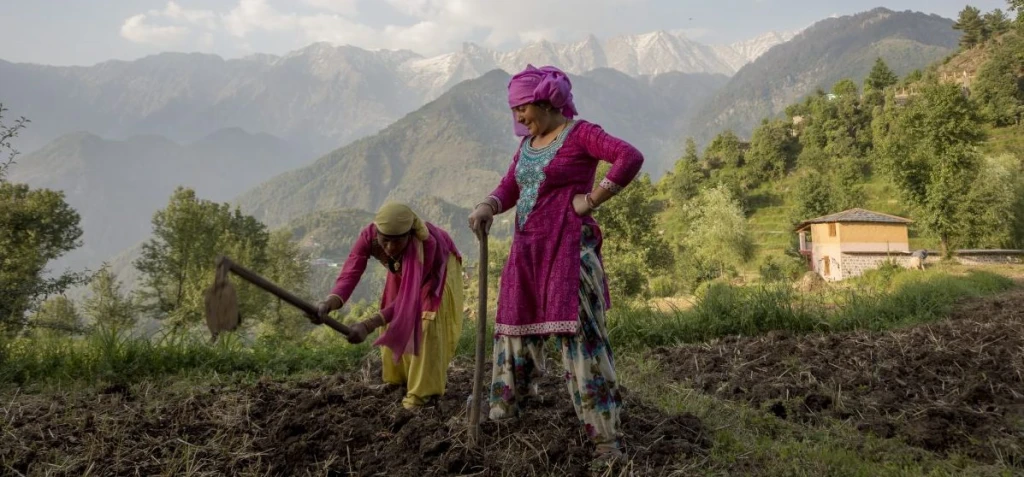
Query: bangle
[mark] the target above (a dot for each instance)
(590, 202)
(488, 203)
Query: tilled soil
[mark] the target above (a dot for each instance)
(336, 425)
(953, 386)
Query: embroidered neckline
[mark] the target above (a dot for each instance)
(558, 140)
(530, 171)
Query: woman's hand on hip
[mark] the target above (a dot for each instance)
(580, 205)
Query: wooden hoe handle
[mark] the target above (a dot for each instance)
(306, 307)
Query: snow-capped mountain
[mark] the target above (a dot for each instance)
(652, 53)
(742, 52)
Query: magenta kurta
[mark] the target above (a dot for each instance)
(436, 250)
(541, 280)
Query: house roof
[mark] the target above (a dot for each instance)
(855, 215)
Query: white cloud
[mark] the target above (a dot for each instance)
(137, 30)
(437, 26)
(204, 18)
(141, 28)
(333, 29)
(341, 7)
(252, 15)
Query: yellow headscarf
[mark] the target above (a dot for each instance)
(395, 218)
(405, 330)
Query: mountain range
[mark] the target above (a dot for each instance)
(322, 96)
(328, 128)
(116, 186)
(819, 57)
(458, 146)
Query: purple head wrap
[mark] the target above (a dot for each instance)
(546, 83)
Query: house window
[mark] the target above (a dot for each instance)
(832, 229)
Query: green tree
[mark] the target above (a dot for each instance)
(999, 85)
(997, 23)
(996, 205)
(36, 226)
(839, 126)
(773, 150)
(107, 305)
(880, 77)
(289, 267)
(683, 182)
(56, 317)
(633, 251)
(725, 150)
(928, 148)
(845, 88)
(178, 262)
(719, 237)
(812, 196)
(972, 26)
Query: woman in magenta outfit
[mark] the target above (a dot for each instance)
(553, 282)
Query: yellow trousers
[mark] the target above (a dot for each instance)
(426, 375)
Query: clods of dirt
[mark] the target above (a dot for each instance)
(956, 385)
(336, 425)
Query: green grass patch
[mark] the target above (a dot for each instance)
(107, 356)
(881, 299)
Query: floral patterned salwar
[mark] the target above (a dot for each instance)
(587, 360)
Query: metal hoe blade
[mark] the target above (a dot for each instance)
(221, 305)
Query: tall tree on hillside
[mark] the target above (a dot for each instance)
(834, 127)
(999, 85)
(725, 150)
(880, 77)
(773, 150)
(683, 182)
(997, 23)
(845, 88)
(928, 148)
(972, 26)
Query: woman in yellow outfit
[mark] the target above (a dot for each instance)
(421, 307)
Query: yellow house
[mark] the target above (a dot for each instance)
(845, 244)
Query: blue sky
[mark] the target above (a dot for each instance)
(83, 32)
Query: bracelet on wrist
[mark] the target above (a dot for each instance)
(488, 203)
(590, 202)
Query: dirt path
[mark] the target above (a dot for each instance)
(957, 385)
